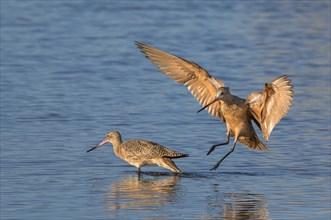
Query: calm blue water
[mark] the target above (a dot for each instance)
(70, 72)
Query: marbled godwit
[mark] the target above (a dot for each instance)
(139, 153)
(265, 108)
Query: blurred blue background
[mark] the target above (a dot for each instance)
(70, 72)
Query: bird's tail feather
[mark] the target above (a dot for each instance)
(254, 143)
(170, 165)
(260, 146)
(179, 155)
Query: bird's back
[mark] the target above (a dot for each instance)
(147, 150)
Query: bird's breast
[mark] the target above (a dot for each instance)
(236, 116)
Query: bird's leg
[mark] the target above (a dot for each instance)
(227, 154)
(216, 145)
(139, 176)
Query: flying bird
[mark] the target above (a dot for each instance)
(265, 108)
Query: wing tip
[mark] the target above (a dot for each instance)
(137, 43)
(140, 45)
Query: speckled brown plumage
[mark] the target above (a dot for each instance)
(139, 153)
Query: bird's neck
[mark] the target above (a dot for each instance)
(232, 99)
(227, 100)
(116, 145)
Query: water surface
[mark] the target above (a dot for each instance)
(70, 72)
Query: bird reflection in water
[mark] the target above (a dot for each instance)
(236, 206)
(245, 206)
(141, 192)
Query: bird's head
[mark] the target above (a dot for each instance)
(111, 137)
(221, 94)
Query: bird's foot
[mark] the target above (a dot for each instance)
(211, 149)
(216, 166)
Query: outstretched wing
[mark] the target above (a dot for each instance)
(270, 105)
(201, 85)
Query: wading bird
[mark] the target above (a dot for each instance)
(265, 108)
(139, 153)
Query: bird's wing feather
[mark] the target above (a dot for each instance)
(148, 150)
(270, 105)
(199, 82)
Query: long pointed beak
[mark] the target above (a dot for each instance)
(212, 102)
(98, 145)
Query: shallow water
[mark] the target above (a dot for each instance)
(70, 72)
